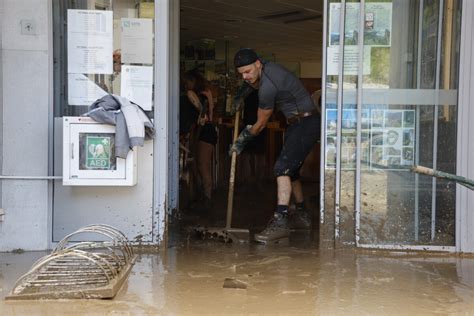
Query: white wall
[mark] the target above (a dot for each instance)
(25, 112)
(465, 154)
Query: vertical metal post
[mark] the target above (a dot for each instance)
(161, 119)
(173, 181)
(339, 119)
(322, 148)
(51, 99)
(435, 118)
(465, 117)
(417, 125)
(360, 79)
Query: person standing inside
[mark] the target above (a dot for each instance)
(279, 89)
(200, 96)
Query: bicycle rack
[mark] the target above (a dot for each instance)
(85, 269)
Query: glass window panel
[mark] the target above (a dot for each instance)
(101, 47)
(397, 205)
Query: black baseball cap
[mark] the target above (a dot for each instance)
(244, 57)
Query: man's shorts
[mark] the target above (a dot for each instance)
(299, 141)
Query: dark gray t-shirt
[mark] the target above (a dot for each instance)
(280, 90)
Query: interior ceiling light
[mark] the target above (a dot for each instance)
(303, 19)
(280, 15)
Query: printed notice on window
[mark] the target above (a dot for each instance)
(137, 41)
(90, 41)
(82, 90)
(137, 85)
(351, 60)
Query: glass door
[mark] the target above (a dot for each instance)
(389, 105)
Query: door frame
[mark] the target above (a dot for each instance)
(166, 91)
(465, 150)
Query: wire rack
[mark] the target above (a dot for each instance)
(80, 269)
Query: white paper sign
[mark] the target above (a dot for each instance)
(137, 41)
(82, 90)
(137, 85)
(90, 41)
(351, 60)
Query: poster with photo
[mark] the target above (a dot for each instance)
(348, 139)
(392, 139)
(351, 25)
(377, 24)
(331, 127)
(387, 139)
(334, 23)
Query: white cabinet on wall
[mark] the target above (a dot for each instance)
(89, 155)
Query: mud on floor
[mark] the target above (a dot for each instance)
(196, 278)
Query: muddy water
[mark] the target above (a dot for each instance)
(188, 279)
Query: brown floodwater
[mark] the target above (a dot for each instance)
(289, 279)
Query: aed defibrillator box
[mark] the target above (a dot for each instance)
(89, 155)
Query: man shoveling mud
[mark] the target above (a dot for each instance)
(279, 89)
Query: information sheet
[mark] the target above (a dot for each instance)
(137, 41)
(137, 85)
(351, 60)
(90, 41)
(82, 90)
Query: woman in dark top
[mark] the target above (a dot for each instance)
(198, 100)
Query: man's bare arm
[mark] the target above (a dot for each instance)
(262, 119)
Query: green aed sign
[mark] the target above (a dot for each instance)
(98, 152)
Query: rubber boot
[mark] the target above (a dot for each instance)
(300, 219)
(277, 229)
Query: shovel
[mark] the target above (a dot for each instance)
(228, 233)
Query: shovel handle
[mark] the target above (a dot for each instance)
(230, 197)
(444, 175)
